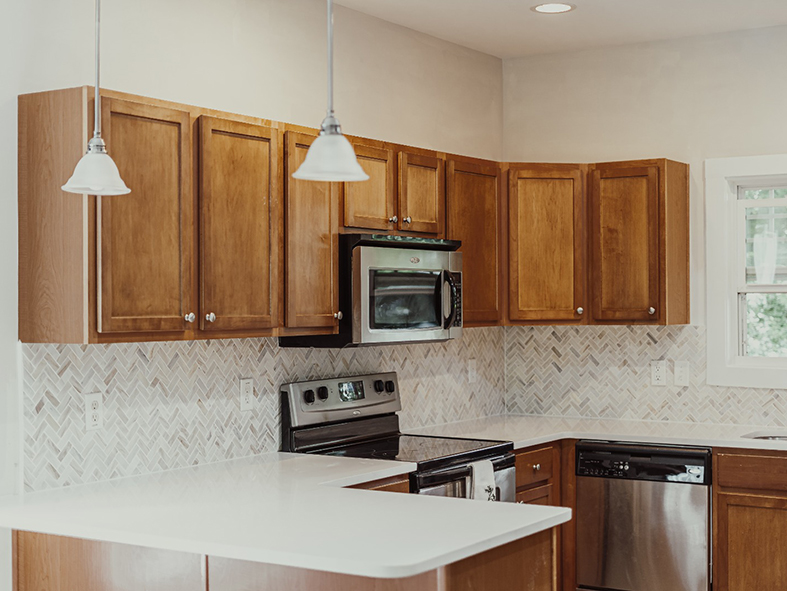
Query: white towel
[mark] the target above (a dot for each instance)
(483, 481)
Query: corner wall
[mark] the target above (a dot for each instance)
(690, 99)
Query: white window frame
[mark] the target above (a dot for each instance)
(724, 227)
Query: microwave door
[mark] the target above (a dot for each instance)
(449, 299)
(401, 295)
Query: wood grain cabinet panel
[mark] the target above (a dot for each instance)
(752, 543)
(240, 224)
(421, 194)
(639, 242)
(372, 204)
(145, 240)
(53, 563)
(312, 244)
(473, 216)
(547, 252)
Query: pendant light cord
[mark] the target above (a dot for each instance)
(330, 58)
(97, 108)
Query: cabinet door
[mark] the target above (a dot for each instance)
(145, 240)
(239, 207)
(312, 244)
(624, 237)
(57, 563)
(751, 548)
(547, 251)
(473, 216)
(540, 495)
(421, 194)
(372, 204)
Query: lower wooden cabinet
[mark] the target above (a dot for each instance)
(53, 563)
(750, 519)
(397, 484)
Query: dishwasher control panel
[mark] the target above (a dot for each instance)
(640, 462)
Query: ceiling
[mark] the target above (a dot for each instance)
(509, 28)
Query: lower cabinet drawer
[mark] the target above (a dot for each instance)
(534, 466)
(752, 471)
(540, 495)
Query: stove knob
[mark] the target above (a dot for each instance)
(308, 396)
(322, 393)
(379, 385)
(390, 386)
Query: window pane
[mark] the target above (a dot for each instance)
(766, 324)
(756, 194)
(766, 245)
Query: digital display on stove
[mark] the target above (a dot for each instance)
(349, 391)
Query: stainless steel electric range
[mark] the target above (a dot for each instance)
(356, 417)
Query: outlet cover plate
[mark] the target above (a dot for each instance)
(94, 412)
(472, 371)
(247, 399)
(658, 373)
(682, 373)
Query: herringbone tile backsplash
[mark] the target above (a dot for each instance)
(170, 405)
(604, 372)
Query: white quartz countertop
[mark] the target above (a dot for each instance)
(284, 509)
(526, 431)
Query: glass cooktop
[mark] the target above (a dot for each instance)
(422, 449)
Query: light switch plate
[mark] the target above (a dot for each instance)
(472, 371)
(658, 373)
(94, 411)
(247, 398)
(682, 373)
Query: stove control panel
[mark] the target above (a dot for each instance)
(337, 399)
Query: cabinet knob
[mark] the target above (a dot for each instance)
(580, 310)
(394, 219)
(536, 467)
(407, 220)
(651, 311)
(190, 317)
(338, 315)
(210, 317)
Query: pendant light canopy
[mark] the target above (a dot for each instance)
(96, 173)
(331, 156)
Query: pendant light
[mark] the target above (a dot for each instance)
(96, 173)
(331, 156)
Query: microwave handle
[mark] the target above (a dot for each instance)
(448, 277)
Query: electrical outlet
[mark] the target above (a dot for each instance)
(472, 371)
(682, 373)
(658, 373)
(94, 412)
(247, 399)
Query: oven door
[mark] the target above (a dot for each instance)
(455, 482)
(406, 295)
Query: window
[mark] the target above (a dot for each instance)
(762, 272)
(746, 220)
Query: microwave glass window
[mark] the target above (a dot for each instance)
(405, 299)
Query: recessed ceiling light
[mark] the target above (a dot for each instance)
(553, 8)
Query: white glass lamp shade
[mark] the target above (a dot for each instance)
(331, 158)
(96, 174)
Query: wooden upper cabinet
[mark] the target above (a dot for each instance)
(240, 198)
(372, 204)
(639, 239)
(145, 240)
(473, 215)
(421, 194)
(547, 252)
(312, 244)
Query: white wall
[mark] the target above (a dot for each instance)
(263, 58)
(692, 99)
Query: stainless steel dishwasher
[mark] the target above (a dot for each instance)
(643, 517)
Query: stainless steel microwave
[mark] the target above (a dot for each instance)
(394, 289)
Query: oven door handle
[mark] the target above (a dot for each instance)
(448, 278)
